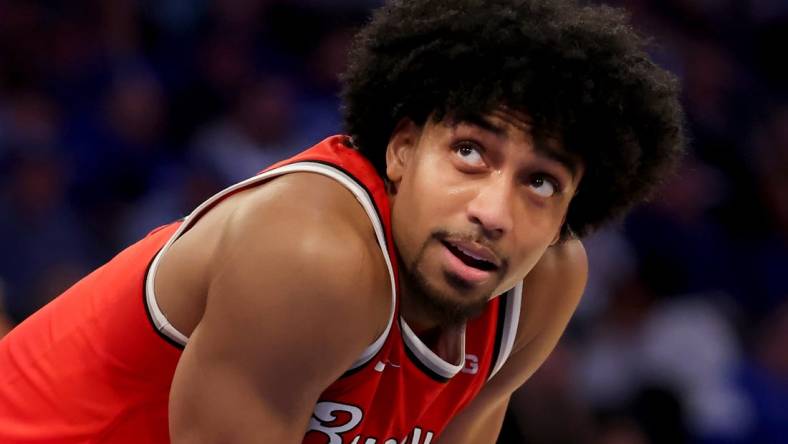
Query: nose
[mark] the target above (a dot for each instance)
(491, 207)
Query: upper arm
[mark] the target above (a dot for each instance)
(288, 311)
(551, 293)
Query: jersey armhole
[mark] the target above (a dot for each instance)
(506, 332)
(362, 195)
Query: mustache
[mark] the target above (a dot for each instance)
(446, 235)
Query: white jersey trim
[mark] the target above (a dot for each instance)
(510, 322)
(428, 357)
(160, 320)
(511, 318)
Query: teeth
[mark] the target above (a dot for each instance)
(477, 257)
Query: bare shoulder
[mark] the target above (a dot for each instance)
(298, 226)
(552, 290)
(306, 231)
(551, 293)
(564, 260)
(296, 290)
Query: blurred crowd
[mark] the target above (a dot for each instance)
(119, 116)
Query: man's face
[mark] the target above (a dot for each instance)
(475, 204)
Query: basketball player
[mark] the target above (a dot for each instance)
(393, 285)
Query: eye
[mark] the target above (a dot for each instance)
(543, 186)
(469, 153)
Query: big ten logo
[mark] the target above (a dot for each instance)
(471, 364)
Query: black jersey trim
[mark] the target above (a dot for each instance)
(371, 197)
(415, 359)
(364, 187)
(357, 369)
(147, 309)
(347, 173)
(500, 323)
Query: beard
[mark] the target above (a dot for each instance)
(439, 305)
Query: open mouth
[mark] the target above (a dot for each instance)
(468, 258)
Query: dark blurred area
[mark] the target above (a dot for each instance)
(118, 116)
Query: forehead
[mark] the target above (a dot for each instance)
(502, 122)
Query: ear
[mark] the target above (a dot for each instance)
(399, 151)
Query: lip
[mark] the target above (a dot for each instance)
(476, 250)
(467, 273)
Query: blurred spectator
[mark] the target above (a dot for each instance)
(318, 112)
(688, 347)
(680, 346)
(767, 248)
(45, 245)
(765, 379)
(119, 151)
(116, 117)
(5, 322)
(256, 133)
(177, 194)
(611, 260)
(547, 410)
(677, 238)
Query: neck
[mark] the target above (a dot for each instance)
(414, 312)
(444, 340)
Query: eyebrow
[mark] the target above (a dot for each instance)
(482, 122)
(568, 161)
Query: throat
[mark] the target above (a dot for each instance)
(446, 342)
(449, 345)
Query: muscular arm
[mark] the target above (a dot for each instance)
(285, 316)
(551, 293)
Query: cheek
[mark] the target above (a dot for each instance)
(410, 223)
(529, 245)
(537, 225)
(519, 266)
(423, 204)
(429, 192)
(527, 253)
(441, 189)
(403, 227)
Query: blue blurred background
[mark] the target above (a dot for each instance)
(118, 116)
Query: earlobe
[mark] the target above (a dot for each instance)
(398, 151)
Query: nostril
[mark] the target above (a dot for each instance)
(491, 213)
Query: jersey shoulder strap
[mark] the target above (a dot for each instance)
(333, 158)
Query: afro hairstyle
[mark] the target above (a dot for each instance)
(580, 72)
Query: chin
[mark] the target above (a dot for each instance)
(454, 302)
(444, 297)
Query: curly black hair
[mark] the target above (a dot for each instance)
(579, 72)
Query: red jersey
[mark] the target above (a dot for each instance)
(96, 364)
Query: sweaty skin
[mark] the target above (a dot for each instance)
(268, 343)
(491, 188)
(278, 262)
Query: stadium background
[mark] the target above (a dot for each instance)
(117, 116)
